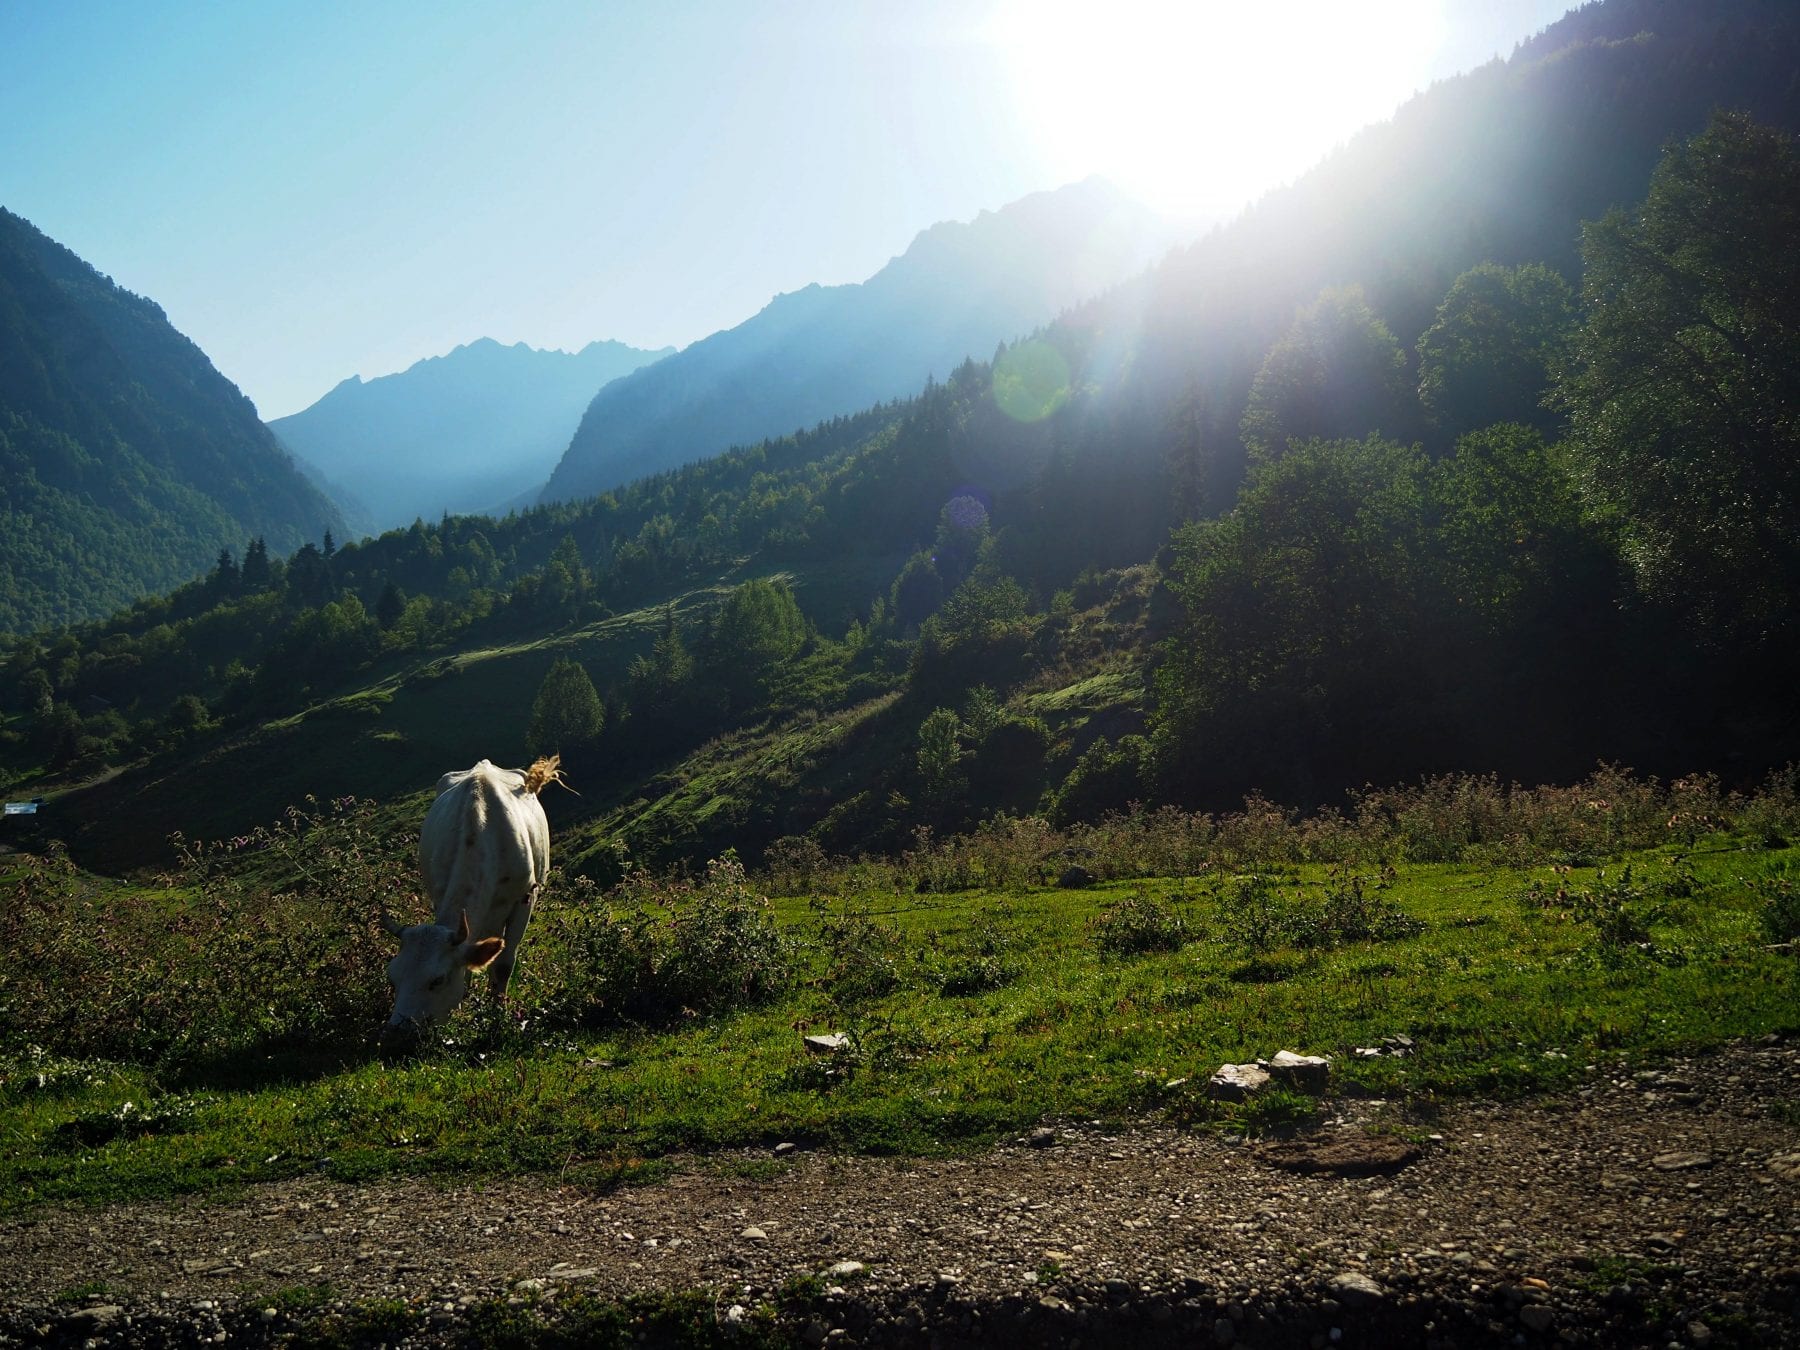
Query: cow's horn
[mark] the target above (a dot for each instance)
(394, 927)
(462, 928)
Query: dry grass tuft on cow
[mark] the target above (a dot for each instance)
(543, 772)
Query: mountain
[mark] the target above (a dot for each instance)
(818, 352)
(464, 432)
(126, 460)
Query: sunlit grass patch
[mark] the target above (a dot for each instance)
(967, 1016)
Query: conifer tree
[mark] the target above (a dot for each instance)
(567, 714)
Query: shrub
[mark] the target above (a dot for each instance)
(796, 865)
(260, 942)
(1140, 923)
(1254, 914)
(657, 946)
(1771, 816)
(1355, 912)
(1778, 903)
(1620, 915)
(863, 958)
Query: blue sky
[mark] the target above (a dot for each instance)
(314, 189)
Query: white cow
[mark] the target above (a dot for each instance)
(483, 854)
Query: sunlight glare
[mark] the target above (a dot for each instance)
(1197, 108)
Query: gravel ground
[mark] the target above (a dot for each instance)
(1654, 1209)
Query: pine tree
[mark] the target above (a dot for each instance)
(256, 574)
(390, 606)
(566, 714)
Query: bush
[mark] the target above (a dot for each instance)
(1253, 914)
(796, 865)
(1140, 923)
(1355, 912)
(1619, 914)
(863, 957)
(265, 941)
(1778, 903)
(655, 947)
(1772, 815)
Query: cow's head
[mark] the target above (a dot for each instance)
(430, 976)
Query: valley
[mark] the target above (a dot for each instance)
(992, 699)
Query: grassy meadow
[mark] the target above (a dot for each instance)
(215, 1026)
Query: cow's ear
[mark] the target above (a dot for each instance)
(480, 954)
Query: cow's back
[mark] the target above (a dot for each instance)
(485, 847)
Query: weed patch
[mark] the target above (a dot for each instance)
(1140, 923)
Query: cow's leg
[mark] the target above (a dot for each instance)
(500, 973)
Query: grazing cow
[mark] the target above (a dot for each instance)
(483, 854)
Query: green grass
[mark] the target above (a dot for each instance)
(1502, 997)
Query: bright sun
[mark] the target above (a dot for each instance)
(1196, 108)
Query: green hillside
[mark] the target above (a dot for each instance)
(127, 462)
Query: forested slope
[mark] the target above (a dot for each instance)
(126, 460)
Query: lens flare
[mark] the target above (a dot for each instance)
(1031, 381)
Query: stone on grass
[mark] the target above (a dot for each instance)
(1236, 1082)
(828, 1043)
(1306, 1073)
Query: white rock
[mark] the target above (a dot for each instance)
(1310, 1073)
(1235, 1082)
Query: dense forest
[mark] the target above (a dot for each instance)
(1474, 450)
(126, 460)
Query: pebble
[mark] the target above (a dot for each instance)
(754, 1234)
(1681, 1161)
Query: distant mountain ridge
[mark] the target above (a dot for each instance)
(809, 355)
(127, 461)
(464, 432)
